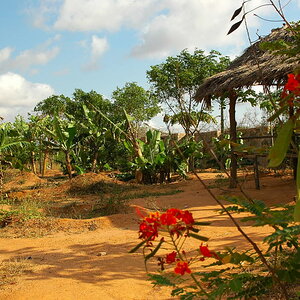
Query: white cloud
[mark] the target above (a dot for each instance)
(5, 54)
(28, 58)
(40, 55)
(111, 15)
(18, 95)
(163, 26)
(40, 15)
(98, 47)
(202, 24)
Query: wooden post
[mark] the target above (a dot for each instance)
(233, 138)
(256, 173)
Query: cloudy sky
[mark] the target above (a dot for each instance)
(54, 46)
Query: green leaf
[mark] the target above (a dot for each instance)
(198, 237)
(177, 292)
(282, 143)
(297, 206)
(137, 246)
(297, 211)
(160, 280)
(236, 285)
(58, 131)
(277, 114)
(71, 134)
(202, 223)
(152, 253)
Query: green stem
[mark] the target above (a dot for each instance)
(192, 275)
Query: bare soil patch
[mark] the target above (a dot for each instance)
(87, 258)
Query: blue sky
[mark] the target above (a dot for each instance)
(54, 46)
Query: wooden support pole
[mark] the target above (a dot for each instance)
(256, 173)
(233, 138)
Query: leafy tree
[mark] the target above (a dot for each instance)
(53, 105)
(176, 80)
(92, 100)
(92, 114)
(139, 103)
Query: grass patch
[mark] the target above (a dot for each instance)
(220, 181)
(119, 204)
(150, 194)
(101, 187)
(11, 269)
(109, 206)
(21, 211)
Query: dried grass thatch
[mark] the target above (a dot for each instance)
(254, 67)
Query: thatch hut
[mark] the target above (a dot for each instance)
(254, 67)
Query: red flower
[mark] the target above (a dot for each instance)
(174, 212)
(293, 84)
(293, 87)
(152, 218)
(187, 217)
(168, 219)
(178, 230)
(207, 253)
(148, 231)
(182, 267)
(170, 258)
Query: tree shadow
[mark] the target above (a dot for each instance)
(91, 263)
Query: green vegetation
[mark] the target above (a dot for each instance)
(21, 211)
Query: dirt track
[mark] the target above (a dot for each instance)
(95, 264)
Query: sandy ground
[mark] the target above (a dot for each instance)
(95, 264)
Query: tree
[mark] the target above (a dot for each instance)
(175, 82)
(64, 139)
(53, 105)
(91, 112)
(139, 103)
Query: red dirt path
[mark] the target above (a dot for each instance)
(68, 265)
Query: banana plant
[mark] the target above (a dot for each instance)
(158, 158)
(95, 134)
(63, 139)
(29, 132)
(7, 143)
(152, 155)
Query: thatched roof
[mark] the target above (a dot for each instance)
(253, 67)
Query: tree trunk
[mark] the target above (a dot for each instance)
(222, 117)
(45, 162)
(1, 178)
(32, 161)
(41, 162)
(68, 164)
(233, 139)
(95, 160)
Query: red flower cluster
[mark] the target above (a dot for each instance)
(291, 88)
(171, 257)
(182, 267)
(172, 215)
(293, 84)
(207, 253)
(173, 218)
(149, 227)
